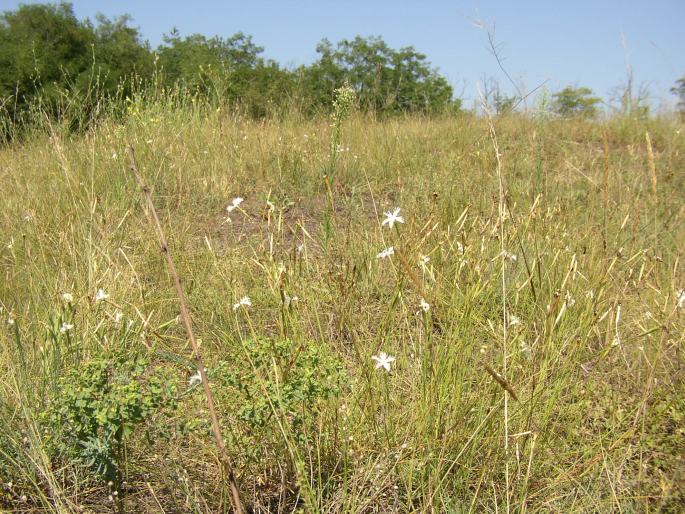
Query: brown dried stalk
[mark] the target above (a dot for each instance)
(500, 380)
(650, 161)
(185, 316)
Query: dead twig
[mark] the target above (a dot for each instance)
(500, 380)
(185, 316)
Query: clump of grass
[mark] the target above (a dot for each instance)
(550, 269)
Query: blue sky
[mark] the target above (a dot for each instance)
(573, 42)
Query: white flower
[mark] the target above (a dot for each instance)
(386, 253)
(511, 257)
(234, 203)
(10, 321)
(425, 306)
(383, 360)
(101, 295)
(392, 217)
(67, 297)
(287, 299)
(118, 315)
(424, 259)
(245, 300)
(681, 298)
(514, 320)
(66, 327)
(195, 379)
(570, 301)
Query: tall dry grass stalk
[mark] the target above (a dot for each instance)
(187, 323)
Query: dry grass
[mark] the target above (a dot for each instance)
(593, 213)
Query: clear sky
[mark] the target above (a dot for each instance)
(574, 42)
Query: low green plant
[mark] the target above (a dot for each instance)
(98, 405)
(285, 381)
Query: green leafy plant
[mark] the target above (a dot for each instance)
(98, 405)
(292, 381)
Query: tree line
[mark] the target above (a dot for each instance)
(47, 52)
(48, 58)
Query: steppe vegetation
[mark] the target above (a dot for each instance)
(393, 312)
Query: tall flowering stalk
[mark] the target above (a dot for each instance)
(342, 105)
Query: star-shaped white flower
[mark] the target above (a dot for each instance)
(66, 327)
(425, 306)
(234, 203)
(383, 360)
(67, 297)
(393, 217)
(511, 257)
(386, 253)
(244, 301)
(570, 301)
(195, 379)
(101, 295)
(288, 300)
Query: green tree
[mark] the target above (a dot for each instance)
(195, 60)
(679, 91)
(575, 102)
(42, 47)
(120, 53)
(229, 68)
(66, 66)
(385, 80)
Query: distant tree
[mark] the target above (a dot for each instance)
(195, 59)
(384, 79)
(66, 65)
(575, 102)
(679, 91)
(229, 68)
(120, 53)
(47, 54)
(42, 47)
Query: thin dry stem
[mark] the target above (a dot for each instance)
(185, 316)
(501, 379)
(650, 160)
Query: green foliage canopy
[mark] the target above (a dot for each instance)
(45, 50)
(575, 102)
(46, 53)
(679, 90)
(384, 79)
